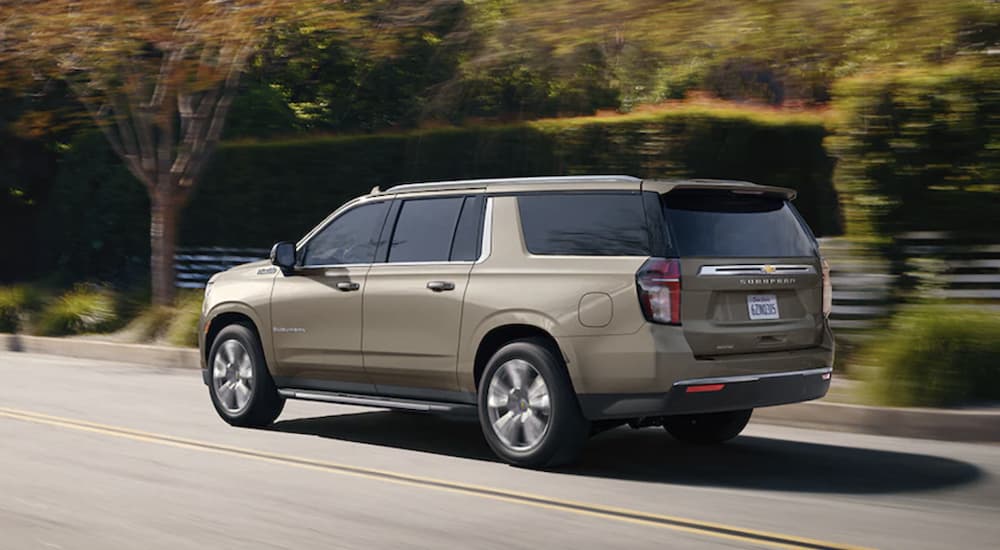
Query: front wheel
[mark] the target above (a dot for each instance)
(707, 428)
(241, 387)
(527, 408)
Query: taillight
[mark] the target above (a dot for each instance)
(827, 289)
(659, 285)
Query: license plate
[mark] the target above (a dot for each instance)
(762, 306)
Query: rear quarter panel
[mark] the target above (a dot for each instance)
(512, 286)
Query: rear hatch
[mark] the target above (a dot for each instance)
(751, 279)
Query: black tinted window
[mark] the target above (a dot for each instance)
(714, 223)
(587, 224)
(469, 233)
(349, 239)
(424, 230)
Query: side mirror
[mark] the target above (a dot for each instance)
(283, 255)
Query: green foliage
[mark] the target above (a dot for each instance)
(920, 149)
(82, 310)
(260, 111)
(742, 50)
(16, 302)
(183, 327)
(937, 355)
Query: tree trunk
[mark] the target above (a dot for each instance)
(164, 209)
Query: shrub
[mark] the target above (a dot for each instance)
(150, 324)
(81, 310)
(16, 303)
(937, 355)
(183, 327)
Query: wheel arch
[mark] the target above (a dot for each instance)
(500, 335)
(230, 313)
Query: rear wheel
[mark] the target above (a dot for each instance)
(708, 428)
(241, 388)
(527, 409)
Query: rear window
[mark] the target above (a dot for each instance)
(714, 223)
(584, 224)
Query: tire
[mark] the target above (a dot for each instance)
(508, 389)
(708, 428)
(237, 360)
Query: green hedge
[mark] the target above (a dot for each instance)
(255, 193)
(919, 149)
(94, 223)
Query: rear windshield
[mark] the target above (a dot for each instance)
(722, 223)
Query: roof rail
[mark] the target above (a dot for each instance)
(467, 184)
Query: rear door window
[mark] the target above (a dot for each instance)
(726, 224)
(584, 224)
(425, 229)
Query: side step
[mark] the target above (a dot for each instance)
(379, 401)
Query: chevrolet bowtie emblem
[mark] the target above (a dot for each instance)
(768, 269)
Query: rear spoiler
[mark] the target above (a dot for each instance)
(737, 187)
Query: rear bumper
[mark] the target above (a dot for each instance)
(735, 393)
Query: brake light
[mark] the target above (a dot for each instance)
(827, 288)
(659, 284)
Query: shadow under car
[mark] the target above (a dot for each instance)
(651, 455)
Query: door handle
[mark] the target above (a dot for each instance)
(440, 286)
(348, 286)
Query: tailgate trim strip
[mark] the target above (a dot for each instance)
(756, 269)
(752, 377)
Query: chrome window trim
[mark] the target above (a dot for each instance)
(405, 264)
(486, 247)
(752, 377)
(305, 268)
(756, 269)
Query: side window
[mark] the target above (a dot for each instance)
(424, 230)
(584, 224)
(469, 232)
(350, 238)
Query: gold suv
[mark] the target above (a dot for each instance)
(552, 308)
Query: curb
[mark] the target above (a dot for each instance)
(945, 425)
(139, 354)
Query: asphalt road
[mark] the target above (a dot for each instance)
(97, 455)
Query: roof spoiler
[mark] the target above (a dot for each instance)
(737, 187)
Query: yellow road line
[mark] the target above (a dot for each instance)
(716, 530)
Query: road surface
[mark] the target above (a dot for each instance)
(99, 455)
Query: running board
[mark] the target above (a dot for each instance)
(379, 401)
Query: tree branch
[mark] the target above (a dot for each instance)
(100, 116)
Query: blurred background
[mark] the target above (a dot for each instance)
(146, 145)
